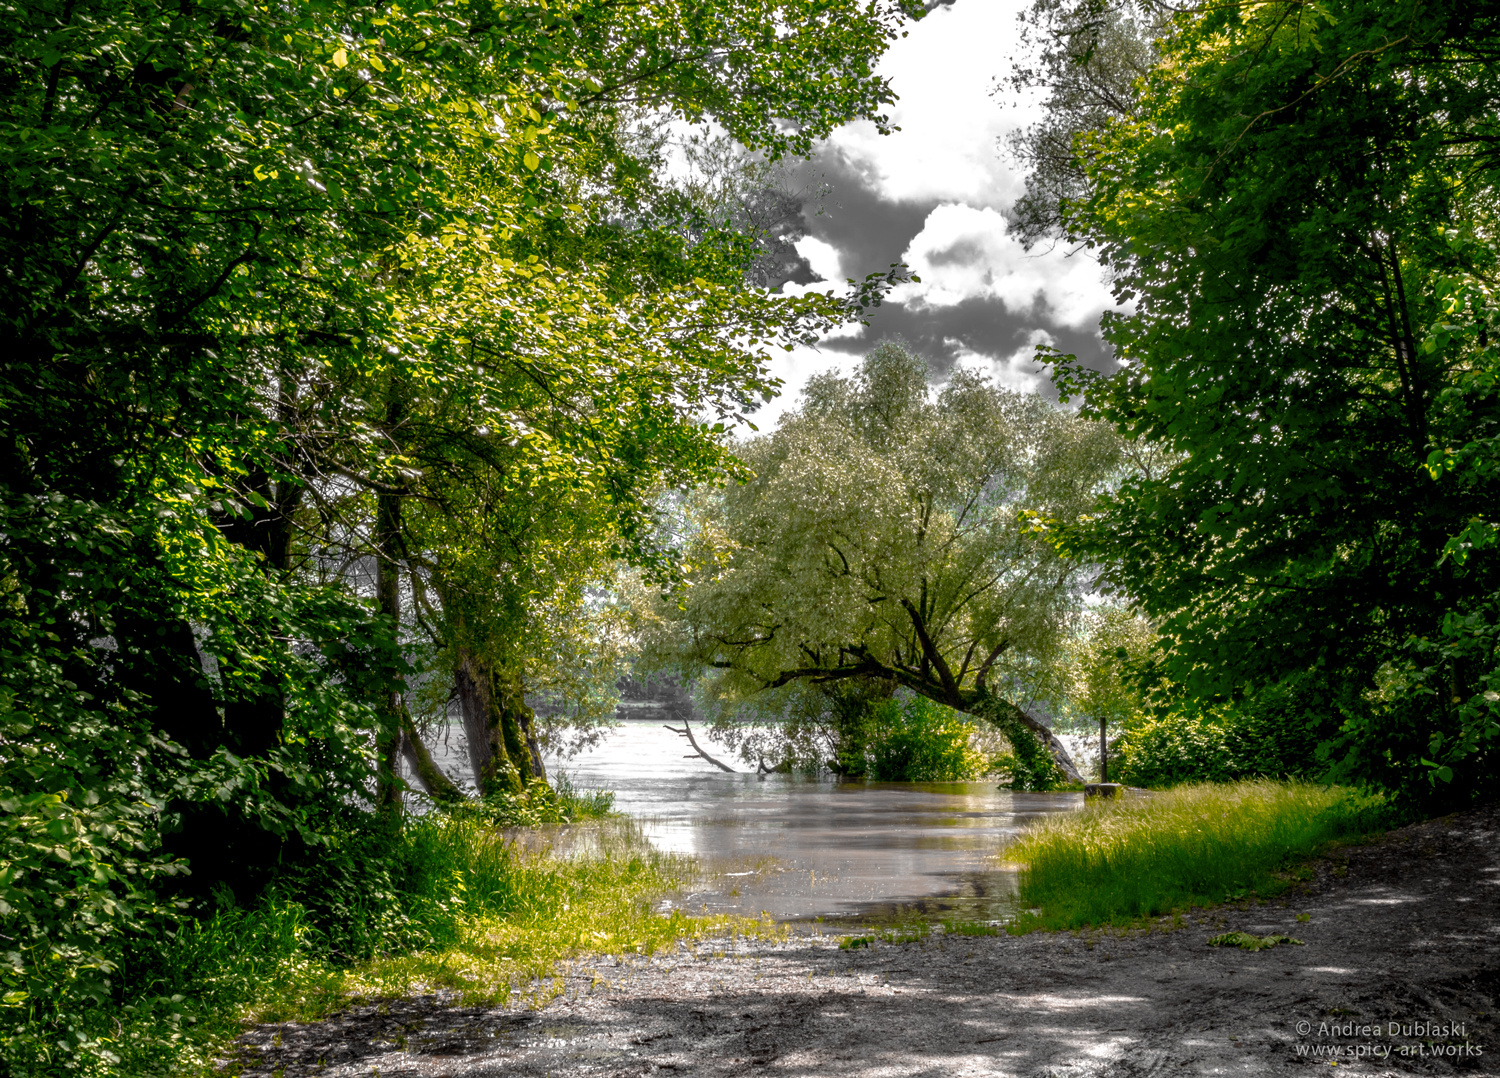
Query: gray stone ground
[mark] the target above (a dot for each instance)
(1405, 931)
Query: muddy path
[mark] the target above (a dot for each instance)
(1399, 974)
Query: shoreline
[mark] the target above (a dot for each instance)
(1404, 930)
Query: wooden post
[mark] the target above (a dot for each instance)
(1103, 753)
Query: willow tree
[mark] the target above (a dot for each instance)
(899, 536)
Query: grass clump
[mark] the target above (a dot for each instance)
(541, 803)
(911, 932)
(1245, 941)
(1117, 861)
(443, 901)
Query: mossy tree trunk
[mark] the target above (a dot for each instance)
(499, 725)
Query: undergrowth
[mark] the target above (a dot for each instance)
(1118, 861)
(559, 802)
(455, 906)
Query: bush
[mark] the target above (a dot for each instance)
(917, 740)
(446, 900)
(1119, 860)
(1277, 733)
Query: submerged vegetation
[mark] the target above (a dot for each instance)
(1117, 861)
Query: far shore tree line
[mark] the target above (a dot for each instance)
(368, 363)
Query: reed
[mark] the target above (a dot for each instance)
(1118, 861)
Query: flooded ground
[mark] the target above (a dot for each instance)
(804, 850)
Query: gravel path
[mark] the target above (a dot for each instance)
(1400, 972)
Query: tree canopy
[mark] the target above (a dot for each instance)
(1298, 210)
(326, 326)
(891, 535)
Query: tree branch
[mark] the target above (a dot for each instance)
(688, 732)
(931, 653)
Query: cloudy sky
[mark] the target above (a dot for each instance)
(934, 195)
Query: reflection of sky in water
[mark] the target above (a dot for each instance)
(801, 849)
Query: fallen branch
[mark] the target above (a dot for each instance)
(687, 731)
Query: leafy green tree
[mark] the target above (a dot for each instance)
(1087, 56)
(891, 536)
(272, 276)
(1284, 208)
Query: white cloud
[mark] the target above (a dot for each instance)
(964, 252)
(944, 71)
(823, 257)
(1019, 370)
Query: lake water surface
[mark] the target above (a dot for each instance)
(804, 850)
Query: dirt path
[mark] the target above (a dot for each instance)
(1405, 931)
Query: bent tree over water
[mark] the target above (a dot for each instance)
(892, 537)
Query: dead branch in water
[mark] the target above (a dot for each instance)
(687, 731)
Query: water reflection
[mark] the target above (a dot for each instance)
(802, 849)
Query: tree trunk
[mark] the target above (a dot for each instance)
(527, 718)
(1007, 715)
(438, 785)
(484, 727)
(514, 718)
(389, 736)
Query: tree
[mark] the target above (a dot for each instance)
(269, 271)
(1088, 56)
(888, 536)
(1287, 210)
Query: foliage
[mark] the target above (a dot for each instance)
(92, 779)
(1288, 730)
(1087, 57)
(1099, 676)
(798, 726)
(890, 536)
(1120, 860)
(916, 740)
(543, 803)
(302, 303)
(468, 910)
(1298, 207)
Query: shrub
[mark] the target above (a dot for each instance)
(446, 900)
(1276, 733)
(917, 740)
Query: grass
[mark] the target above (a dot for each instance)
(916, 931)
(541, 803)
(467, 911)
(532, 910)
(1116, 862)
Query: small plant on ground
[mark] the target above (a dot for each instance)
(1247, 942)
(540, 803)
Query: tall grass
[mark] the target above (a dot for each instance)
(453, 905)
(1116, 861)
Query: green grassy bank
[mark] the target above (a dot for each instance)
(453, 905)
(1117, 861)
